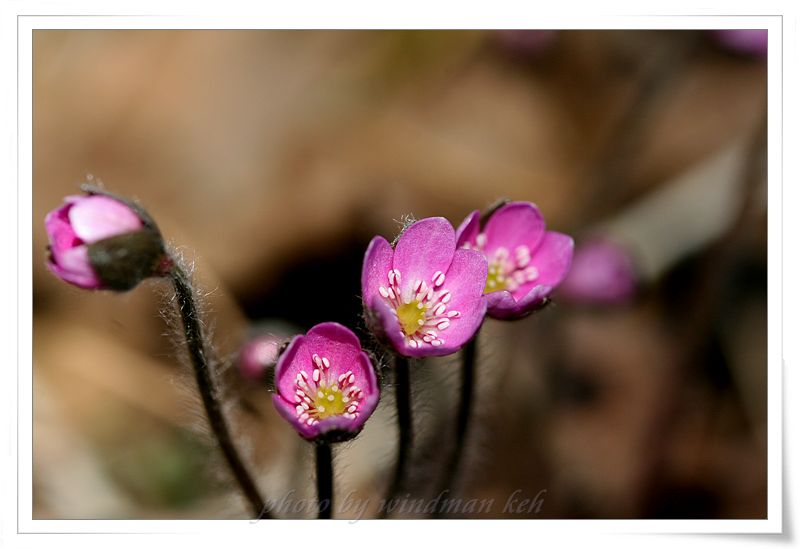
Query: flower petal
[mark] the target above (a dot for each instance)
(512, 225)
(97, 217)
(289, 413)
(468, 231)
(376, 267)
(295, 358)
(336, 343)
(466, 280)
(424, 248)
(552, 259)
(72, 265)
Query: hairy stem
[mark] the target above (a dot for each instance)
(195, 344)
(462, 419)
(404, 423)
(324, 480)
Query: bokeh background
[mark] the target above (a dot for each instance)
(270, 158)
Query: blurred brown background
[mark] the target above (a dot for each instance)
(272, 157)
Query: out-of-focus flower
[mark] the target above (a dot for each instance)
(424, 296)
(526, 262)
(526, 42)
(257, 355)
(602, 273)
(747, 41)
(326, 385)
(98, 242)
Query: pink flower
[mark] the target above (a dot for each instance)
(326, 385)
(745, 41)
(424, 296)
(526, 262)
(98, 242)
(602, 273)
(257, 354)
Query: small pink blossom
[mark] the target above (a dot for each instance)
(326, 385)
(745, 41)
(602, 273)
(257, 355)
(526, 262)
(81, 222)
(424, 296)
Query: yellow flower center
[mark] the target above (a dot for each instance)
(411, 316)
(496, 279)
(329, 402)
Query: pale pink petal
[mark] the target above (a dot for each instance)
(97, 217)
(72, 265)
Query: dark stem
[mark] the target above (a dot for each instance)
(464, 412)
(195, 343)
(404, 423)
(324, 480)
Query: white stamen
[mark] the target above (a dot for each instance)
(438, 278)
(383, 291)
(315, 375)
(439, 309)
(326, 362)
(443, 325)
(480, 240)
(453, 314)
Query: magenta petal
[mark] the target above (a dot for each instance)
(499, 301)
(289, 365)
(512, 225)
(510, 308)
(466, 280)
(287, 411)
(97, 217)
(59, 230)
(337, 343)
(376, 267)
(72, 265)
(390, 327)
(553, 258)
(468, 231)
(423, 249)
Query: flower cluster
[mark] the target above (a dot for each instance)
(426, 295)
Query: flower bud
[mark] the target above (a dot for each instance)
(100, 242)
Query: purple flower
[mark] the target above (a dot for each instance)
(602, 273)
(424, 296)
(526, 262)
(98, 242)
(257, 354)
(326, 385)
(746, 41)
